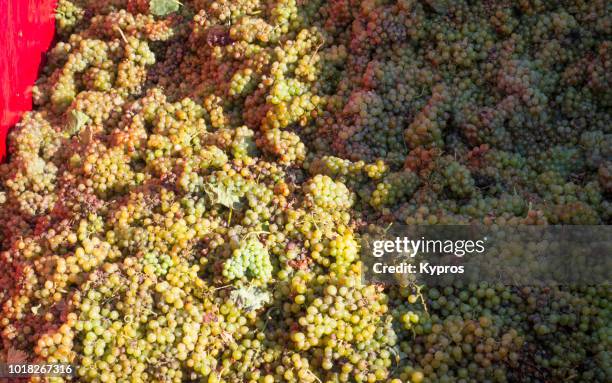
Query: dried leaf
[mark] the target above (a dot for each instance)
(163, 7)
(439, 6)
(14, 356)
(35, 309)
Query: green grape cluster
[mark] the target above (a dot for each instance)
(459, 179)
(393, 188)
(328, 194)
(250, 259)
(68, 15)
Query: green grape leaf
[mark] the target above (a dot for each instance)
(77, 121)
(250, 298)
(220, 194)
(163, 7)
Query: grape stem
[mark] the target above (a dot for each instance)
(122, 34)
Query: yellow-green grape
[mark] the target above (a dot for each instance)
(68, 14)
(328, 194)
(251, 259)
(393, 188)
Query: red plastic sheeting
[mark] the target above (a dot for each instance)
(27, 29)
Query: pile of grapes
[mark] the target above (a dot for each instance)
(186, 200)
